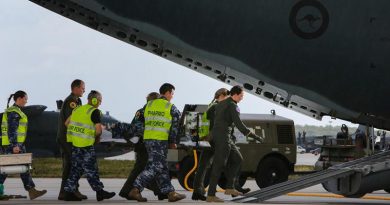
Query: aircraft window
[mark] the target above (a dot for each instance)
(142, 43)
(248, 86)
(268, 95)
(208, 67)
(261, 83)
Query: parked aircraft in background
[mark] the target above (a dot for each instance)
(42, 134)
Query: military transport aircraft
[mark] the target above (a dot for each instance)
(42, 134)
(316, 57)
(320, 58)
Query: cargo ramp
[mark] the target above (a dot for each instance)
(346, 175)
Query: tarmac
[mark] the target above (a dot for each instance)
(312, 195)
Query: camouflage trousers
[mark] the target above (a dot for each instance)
(83, 162)
(156, 167)
(26, 177)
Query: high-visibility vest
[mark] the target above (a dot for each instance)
(158, 120)
(22, 128)
(81, 129)
(205, 124)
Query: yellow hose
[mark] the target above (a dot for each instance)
(191, 171)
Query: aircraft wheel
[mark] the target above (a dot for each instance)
(271, 170)
(185, 166)
(222, 181)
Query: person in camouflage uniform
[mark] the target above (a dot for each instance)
(13, 121)
(85, 129)
(161, 130)
(71, 102)
(137, 131)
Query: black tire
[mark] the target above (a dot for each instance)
(360, 195)
(185, 166)
(387, 190)
(222, 181)
(271, 170)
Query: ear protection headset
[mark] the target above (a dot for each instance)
(94, 100)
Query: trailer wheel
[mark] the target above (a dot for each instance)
(185, 166)
(271, 170)
(222, 180)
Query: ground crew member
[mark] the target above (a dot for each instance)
(71, 102)
(14, 131)
(206, 156)
(226, 152)
(161, 129)
(85, 128)
(137, 130)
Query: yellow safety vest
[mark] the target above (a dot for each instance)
(158, 119)
(81, 129)
(22, 128)
(205, 124)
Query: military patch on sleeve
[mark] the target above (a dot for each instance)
(137, 114)
(72, 105)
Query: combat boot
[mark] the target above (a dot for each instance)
(162, 197)
(102, 194)
(80, 195)
(70, 196)
(214, 199)
(126, 196)
(233, 192)
(196, 196)
(135, 194)
(33, 193)
(61, 196)
(174, 196)
(243, 190)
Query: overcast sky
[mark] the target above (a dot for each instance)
(42, 52)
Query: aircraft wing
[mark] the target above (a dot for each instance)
(316, 57)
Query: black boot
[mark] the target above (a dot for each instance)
(126, 196)
(162, 196)
(243, 190)
(197, 196)
(70, 196)
(101, 194)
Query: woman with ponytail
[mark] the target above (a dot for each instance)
(206, 157)
(14, 132)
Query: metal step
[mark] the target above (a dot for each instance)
(341, 170)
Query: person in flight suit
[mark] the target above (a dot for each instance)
(206, 156)
(160, 131)
(71, 102)
(14, 130)
(227, 156)
(137, 130)
(85, 128)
